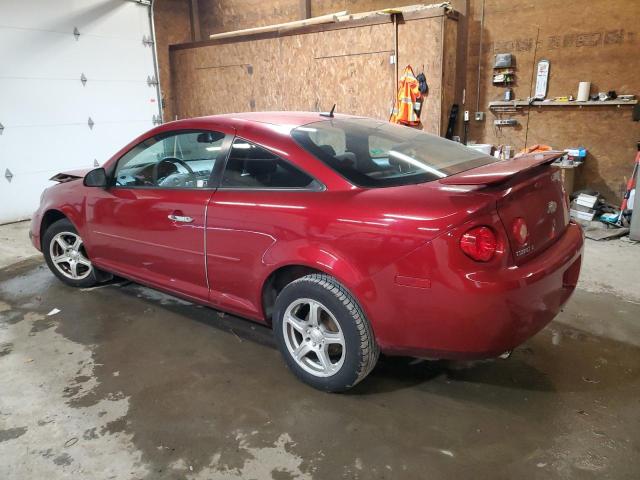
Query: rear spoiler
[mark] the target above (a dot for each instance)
(64, 177)
(501, 171)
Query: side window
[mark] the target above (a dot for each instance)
(171, 160)
(251, 166)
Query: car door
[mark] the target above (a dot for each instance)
(261, 200)
(149, 223)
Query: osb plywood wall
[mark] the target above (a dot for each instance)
(224, 15)
(173, 25)
(348, 66)
(585, 40)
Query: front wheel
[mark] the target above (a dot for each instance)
(323, 334)
(66, 256)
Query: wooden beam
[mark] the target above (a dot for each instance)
(305, 9)
(196, 36)
(280, 27)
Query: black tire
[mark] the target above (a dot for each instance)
(60, 227)
(360, 353)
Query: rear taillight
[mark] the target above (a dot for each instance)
(520, 231)
(479, 243)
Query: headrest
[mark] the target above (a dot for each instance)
(260, 167)
(327, 149)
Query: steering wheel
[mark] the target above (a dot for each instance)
(171, 161)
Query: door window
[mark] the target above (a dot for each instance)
(251, 166)
(171, 160)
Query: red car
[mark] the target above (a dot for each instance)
(348, 235)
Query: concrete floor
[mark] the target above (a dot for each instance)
(124, 382)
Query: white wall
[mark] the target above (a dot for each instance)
(44, 107)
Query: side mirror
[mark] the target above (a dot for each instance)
(96, 178)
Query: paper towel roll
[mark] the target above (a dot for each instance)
(583, 91)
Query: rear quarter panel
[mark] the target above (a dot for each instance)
(351, 235)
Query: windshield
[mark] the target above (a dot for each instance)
(372, 153)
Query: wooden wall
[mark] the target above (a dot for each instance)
(173, 26)
(585, 40)
(225, 15)
(347, 64)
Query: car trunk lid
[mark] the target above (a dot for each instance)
(529, 189)
(540, 200)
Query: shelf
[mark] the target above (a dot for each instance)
(538, 103)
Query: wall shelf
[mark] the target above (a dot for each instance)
(538, 103)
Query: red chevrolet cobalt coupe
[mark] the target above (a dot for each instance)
(349, 236)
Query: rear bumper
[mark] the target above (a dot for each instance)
(483, 313)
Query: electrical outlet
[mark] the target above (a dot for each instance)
(479, 116)
(466, 115)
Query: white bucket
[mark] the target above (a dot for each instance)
(584, 88)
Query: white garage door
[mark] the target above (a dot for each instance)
(45, 107)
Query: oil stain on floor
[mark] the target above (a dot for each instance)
(128, 383)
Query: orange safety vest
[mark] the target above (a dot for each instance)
(404, 110)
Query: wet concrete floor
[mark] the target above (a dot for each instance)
(125, 382)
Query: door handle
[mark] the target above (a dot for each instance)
(180, 218)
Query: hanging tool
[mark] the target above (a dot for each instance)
(453, 115)
(466, 127)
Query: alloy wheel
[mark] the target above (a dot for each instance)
(69, 256)
(313, 337)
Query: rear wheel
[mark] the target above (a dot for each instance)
(323, 334)
(66, 255)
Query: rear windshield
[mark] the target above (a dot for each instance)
(372, 153)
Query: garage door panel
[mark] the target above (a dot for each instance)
(32, 165)
(52, 55)
(56, 148)
(30, 102)
(91, 17)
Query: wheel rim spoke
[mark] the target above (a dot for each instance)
(62, 242)
(325, 361)
(60, 258)
(333, 338)
(314, 313)
(303, 349)
(84, 261)
(296, 323)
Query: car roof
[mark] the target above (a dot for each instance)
(280, 119)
